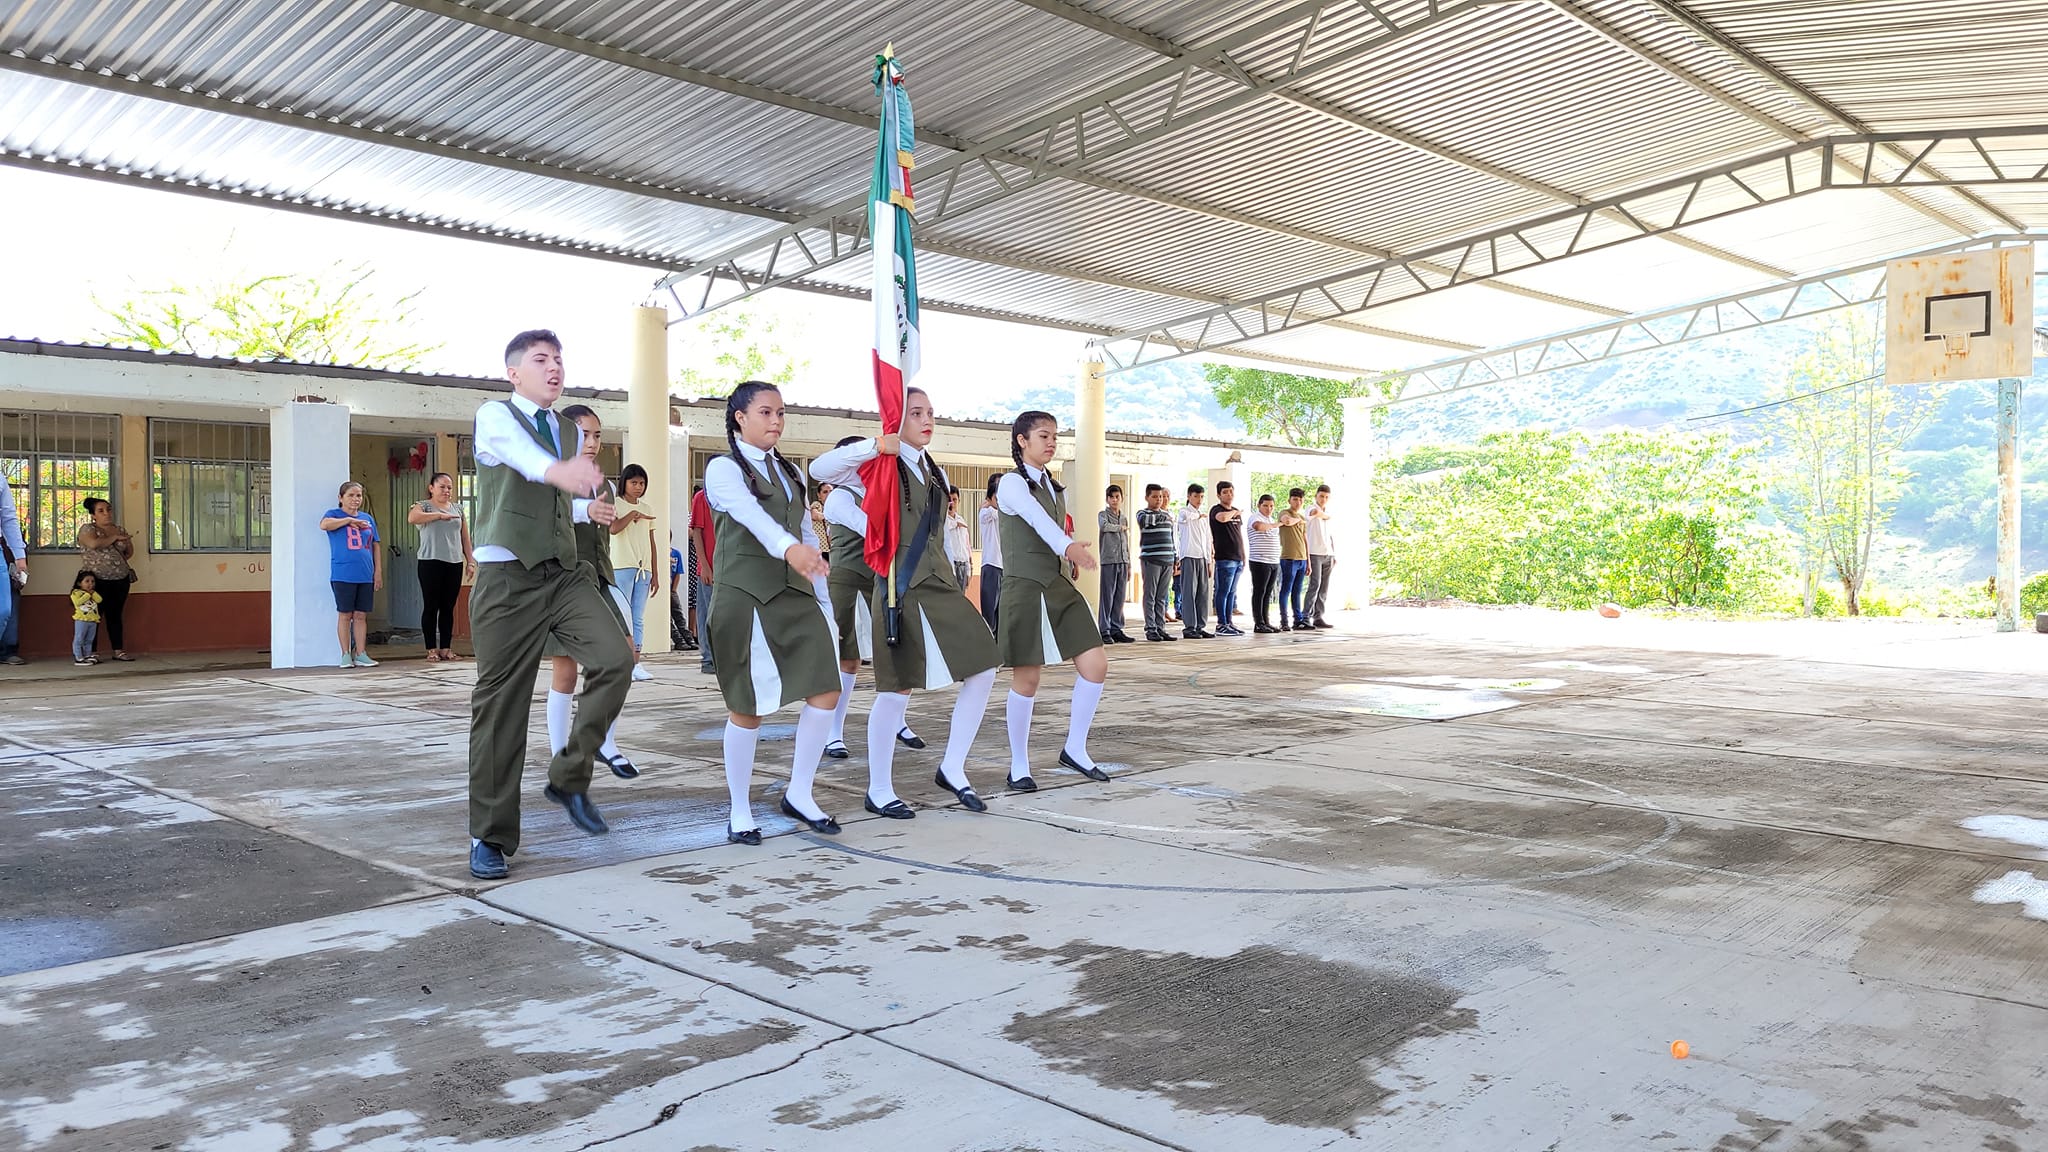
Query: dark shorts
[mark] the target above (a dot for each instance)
(353, 597)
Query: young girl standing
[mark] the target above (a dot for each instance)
(1043, 619)
(85, 620)
(356, 571)
(942, 638)
(773, 638)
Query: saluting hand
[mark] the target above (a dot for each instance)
(1079, 556)
(807, 562)
(578, 476)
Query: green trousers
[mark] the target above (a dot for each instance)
(513, 612)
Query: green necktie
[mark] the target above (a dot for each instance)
(547, 431)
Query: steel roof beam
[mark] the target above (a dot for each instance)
(1651, 331)
(1715, 193)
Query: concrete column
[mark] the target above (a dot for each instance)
(648, 445)
(1090, 472)
(2008, 571)
(1351, 503)
(309, 458)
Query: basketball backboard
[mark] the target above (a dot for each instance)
(1967, 316)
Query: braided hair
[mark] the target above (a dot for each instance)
(736, 404)
(1024, 425)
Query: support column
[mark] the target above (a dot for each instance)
(1351, 503)
(647, 444)
(1090, 472)
(309, 458)
(2008, 571)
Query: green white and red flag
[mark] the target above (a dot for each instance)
(894, 289)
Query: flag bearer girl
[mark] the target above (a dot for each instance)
(852, 588)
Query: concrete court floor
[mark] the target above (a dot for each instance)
(1432, 881)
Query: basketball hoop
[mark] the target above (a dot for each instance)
(1957, 343)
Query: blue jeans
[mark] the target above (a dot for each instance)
(1293, 582)
(10, 617)
(1227, 572)
(634, 584)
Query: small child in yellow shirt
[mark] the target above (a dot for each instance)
(85, 619)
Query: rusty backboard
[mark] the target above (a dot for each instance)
(1968, 316)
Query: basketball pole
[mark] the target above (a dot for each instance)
(2008, 568)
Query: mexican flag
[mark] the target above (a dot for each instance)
(895, 296)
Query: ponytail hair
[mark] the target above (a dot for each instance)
(736, 404)
(1024, 425)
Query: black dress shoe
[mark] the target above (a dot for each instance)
(1321, 624)
(750, 836)
(1168, 636)
(824, 824)
(1093, 772)
(894, 809)
(1124, 638)
(909, 739)
(966, 796)
(836, 750)
(486, 862)
(1263, 629)
(1022, 784)
(581, 811)
(620, 766)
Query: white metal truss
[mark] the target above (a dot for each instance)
(1791, 300)
(1968, 157)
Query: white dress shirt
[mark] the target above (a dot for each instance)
(1013, 496)
(1192, 540)
(1322, 539)
(725, 489)
(991, 537)
(501, 439)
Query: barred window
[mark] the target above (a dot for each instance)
(54, 462)
(209, 486)
(465, 477)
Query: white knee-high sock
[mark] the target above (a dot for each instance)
(739, 773)
(1087, 694)
(559, 706)
(812, 724)
(1019, 716)
(610, 747)
(967, 714)
(883, 722)
(839, 713)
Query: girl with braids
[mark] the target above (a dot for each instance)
(1043, 619)
(943, 639)
(773, 638)
(852, 589)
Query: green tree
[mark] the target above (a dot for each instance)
(1305, 411)
(332, 317)
(1839, 435)
(719, 349)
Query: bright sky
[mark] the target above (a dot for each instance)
(71, 239)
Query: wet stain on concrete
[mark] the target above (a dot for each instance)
(1767, 1135)
(827, 1113)
(1291, 1038)
(2003, 1111)
(777, 937)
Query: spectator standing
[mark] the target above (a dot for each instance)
(85, 620)
(1226, 530)
(1195, 546)
(1157, 561)
(1293, 563)
(701, 544)
(991, 555)
(959, 541)
(15, 548)
(356, 570)
(632, 552)
(1115, 552)
(1265, 560)
(444, 559)
(1322, 556)
(108, 551)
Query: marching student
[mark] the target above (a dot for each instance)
(851, 587)
(942, 639)
(773, 637)
(593, 547)
(530, 589)
(1044, 619)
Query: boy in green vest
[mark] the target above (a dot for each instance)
(529, 589)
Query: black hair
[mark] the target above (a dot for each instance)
(1151, 488)
(92, 504)
(1223, 486)
(436, 476)
(849, 440)
(528, 339)
(83, 575)
(575, 412)
(348, 484)
(993, 481)
(1265, 497)
(1292, 493)
(1194, 488)
(1322, 488)
(952, 489)
(629, 473)
(1112, 490)
(735, 404)
(1024, 425)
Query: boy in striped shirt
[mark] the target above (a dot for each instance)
(1158, 566)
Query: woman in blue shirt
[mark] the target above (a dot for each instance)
(357, 571)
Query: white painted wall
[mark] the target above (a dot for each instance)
(309, 448)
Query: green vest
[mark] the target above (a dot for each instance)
(847, 548)
(933, 568)
(1024, 554)
(594, 542)
(532, 520)
(742, 562)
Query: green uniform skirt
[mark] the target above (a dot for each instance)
(1040, 624)
(944, 641)
(850, 611)
(770, 653)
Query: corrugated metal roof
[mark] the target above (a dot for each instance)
(668, 134)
